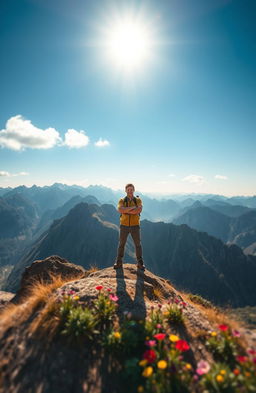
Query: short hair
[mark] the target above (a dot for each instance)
(129, 185)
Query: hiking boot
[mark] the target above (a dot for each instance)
(140, 265)
(118, 265)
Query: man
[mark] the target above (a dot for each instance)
(130, 208)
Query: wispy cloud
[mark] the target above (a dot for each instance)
(194, 179)
(8, 174)
(221, 177)
(20, 133)
(102, 143)
(76, 139)
(171, 175)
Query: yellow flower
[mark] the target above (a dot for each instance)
(140, 389)
(162, 364)
(213, 334)
(76, 297)
(223, 372)
(147, 372)
(117, 334)
(166, 313)
(173, 338)
(188, 366)
(143, 362)
(219, 378)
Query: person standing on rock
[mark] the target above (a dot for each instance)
(129, 208)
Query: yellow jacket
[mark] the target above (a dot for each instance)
(129, 219)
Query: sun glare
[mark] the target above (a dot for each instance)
(129, 44)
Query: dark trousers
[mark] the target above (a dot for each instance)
(134, 230)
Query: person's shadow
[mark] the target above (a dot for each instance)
(136, 306)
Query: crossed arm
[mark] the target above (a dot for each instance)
(130, 210)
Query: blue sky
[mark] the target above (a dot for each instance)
(182, 121)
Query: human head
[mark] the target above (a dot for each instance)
(129, 188)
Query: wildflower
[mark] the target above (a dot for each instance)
(219, 378)
(236, 333)
(182, 345)
(149, 355)
(202, 367)
(213, 334)
(160, 305)
(140, 389)
(150, 343)
(184, 304)
(99, 287)
(176, 301)
(147, 371)
(114, 298)
(109, 289)
(76, 297)
(247, 374)
(254, 360)
(241, 359)
(162, 364)
(236, 371)
(143, 362)
(223, 372)
(195, 377)
(173, 338)
(223, 327)
(160, 336)
(251, 351)
(166, 313)
(117, 334)
(158, 325)
(188, 366)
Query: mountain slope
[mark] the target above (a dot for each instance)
(193, 260)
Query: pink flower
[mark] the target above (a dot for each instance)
(159, 305)
(254, 360)
(176, 301)
(251, 351)
(99, 287)
(114, 298)
(158, 325)
(160, 336)
(236, 333)
(109, 289)
(202, 367)
(151, 343)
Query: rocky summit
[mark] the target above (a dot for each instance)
(68, 329)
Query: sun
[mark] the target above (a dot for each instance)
(129, 43)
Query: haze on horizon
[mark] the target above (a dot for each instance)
(160, 94)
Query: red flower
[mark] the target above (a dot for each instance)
(182, 345)
(223, 327)
(160, 336)
(149, 355)
(99, 287)
(241, 359)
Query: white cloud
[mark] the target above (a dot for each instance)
(75, 138)
(20, 134)
(102, 143)
(194, 179)
(171, 175)
(221, 177)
